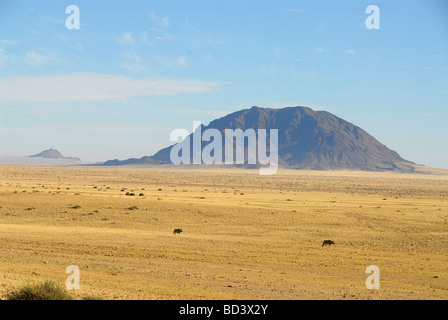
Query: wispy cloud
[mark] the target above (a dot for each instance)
(5, 58)
(94, 87)
(51, 19)
(111, 128)
(71, 41)
(314, 75)
(182, 61)
(268, 70)
(155, 35)
(133, 62)
(172, 63)
(215, 42)
(34, 58)
(45, 108)
(131, 55)
(162, 21)
(430, 114)
(37, 58)
(131, 66)
(165, 36)
(320, 50)
(126, 38)
(189, 25)
(198, 112)
(350, 51)
(10, 42)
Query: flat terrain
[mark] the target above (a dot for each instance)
(245, 236)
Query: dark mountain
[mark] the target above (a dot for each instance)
(307, 139)
(143, 160)
(53, 154)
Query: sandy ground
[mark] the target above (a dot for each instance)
(244, 236)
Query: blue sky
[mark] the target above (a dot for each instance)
(136, 70)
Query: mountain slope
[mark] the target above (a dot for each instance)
(306, 140)
(53, 154)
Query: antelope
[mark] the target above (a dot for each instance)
(328, 242)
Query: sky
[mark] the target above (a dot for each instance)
(136, 70)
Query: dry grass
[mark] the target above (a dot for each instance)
(245, 236)
(48, 290)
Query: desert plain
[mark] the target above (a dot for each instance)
(245, 236)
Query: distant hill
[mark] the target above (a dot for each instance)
(53, 154)
(307, 139)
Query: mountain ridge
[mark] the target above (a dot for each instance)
(53, 154)
(307, 139)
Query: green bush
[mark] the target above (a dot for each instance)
(49, 290)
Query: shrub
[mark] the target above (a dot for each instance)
(92, 298)
(49, 290)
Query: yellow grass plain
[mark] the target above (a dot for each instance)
(245, 236)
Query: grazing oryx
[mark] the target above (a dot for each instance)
(177, 231)
(329, 242)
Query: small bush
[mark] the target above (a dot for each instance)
(92, 298)
(49, 290)
(76, 207)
